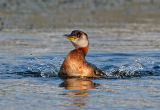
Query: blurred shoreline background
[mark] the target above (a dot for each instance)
(51, 14)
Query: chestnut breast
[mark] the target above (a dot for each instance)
(76, 65)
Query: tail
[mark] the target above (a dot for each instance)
(99, 73)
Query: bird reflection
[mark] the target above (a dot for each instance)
(78, 90)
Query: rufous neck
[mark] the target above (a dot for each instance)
(84, 49)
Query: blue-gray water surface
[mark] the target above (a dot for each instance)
(30, 61)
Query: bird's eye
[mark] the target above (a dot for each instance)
(79, 35)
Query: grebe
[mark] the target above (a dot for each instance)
(75, 64)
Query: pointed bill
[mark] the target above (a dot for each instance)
(70, 37)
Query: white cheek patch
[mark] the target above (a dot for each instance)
(83, 42)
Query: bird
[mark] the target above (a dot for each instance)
(75, 64)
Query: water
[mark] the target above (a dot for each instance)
(29, 67)
(32, 82)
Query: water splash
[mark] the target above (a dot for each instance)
(141, 66)
(47, 67)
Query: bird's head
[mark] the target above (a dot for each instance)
(78, 38)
